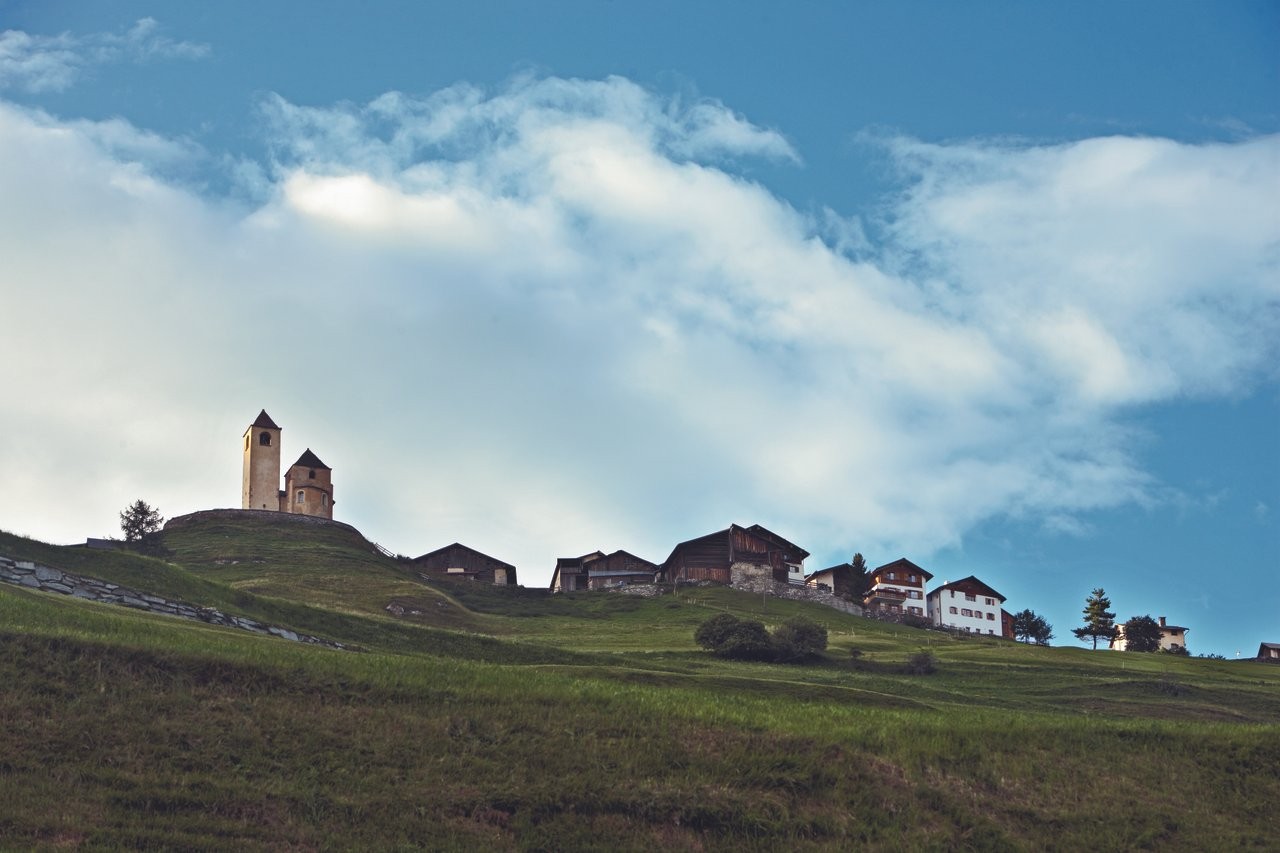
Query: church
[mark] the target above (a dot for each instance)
(308, 484)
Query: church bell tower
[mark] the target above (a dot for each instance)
(261, 484)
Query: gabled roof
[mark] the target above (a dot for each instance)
(632, 556)
(764, 531)
(902, 563)
(969, 581)
(264, 421)
(1268, 646)
(465, 548)
(834, 568)
(310, 460)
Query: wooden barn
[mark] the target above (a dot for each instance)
(712, 557)
(571, 572)
(459, 561)
(598, 570)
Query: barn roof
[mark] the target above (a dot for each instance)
(464, 548)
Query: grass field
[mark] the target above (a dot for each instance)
(511, 719)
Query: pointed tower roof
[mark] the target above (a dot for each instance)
(264, 421)
(310, 460)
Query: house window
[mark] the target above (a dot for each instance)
(324, 499)
(265, 439)
(953, 610)
(311, 475)
(990, 602)
(991, 617)
(911, 578)
(968, 597)
(302, 497)
(966, 612)
(915, 610)
(893, 576)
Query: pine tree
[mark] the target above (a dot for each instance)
(1098, 621)
(858, 577)
(139, 520)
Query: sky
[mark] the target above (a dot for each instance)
(991, 286)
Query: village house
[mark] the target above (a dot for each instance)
(598, 570)
(897, 588)
(1269, 652)
(1171, 637)
(459, 561)
(734, 556)
(838, 579)
(971, 606)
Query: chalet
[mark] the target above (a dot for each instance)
(897, 587)
(459, 561)
(1269, 652)
(1171, 637)
(838, 579)
(598, 570)
(968, 605)
(734, 555)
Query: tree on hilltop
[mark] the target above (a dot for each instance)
(1141, 634)
(858, 577)
(1029, 627)
(1099, 623)
(139, 520)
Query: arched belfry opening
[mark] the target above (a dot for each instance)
(265, 438)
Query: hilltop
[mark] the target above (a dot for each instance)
(462, 715)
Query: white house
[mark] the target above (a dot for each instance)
(967, 605)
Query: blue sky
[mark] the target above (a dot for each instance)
(994, 287)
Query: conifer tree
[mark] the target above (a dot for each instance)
(139, 520)
(858, 577)
(1098, 621)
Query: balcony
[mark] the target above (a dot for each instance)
(885, 596)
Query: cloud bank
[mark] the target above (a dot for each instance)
(35, 63)
(555, 317)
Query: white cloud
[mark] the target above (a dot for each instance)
(553, 318)
(35, 63)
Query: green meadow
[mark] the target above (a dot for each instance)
(510, 719)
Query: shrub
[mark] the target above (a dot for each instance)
(800, 639)
(747, 641)
(921, 663)
(713, 632)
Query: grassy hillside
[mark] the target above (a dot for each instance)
(511, 719)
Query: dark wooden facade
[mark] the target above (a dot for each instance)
(598, 570)
(839, 579)
(459, 561)
(710, 557)
(619, 568)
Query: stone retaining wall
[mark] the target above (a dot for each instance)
(754, 579)
(48, 579)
